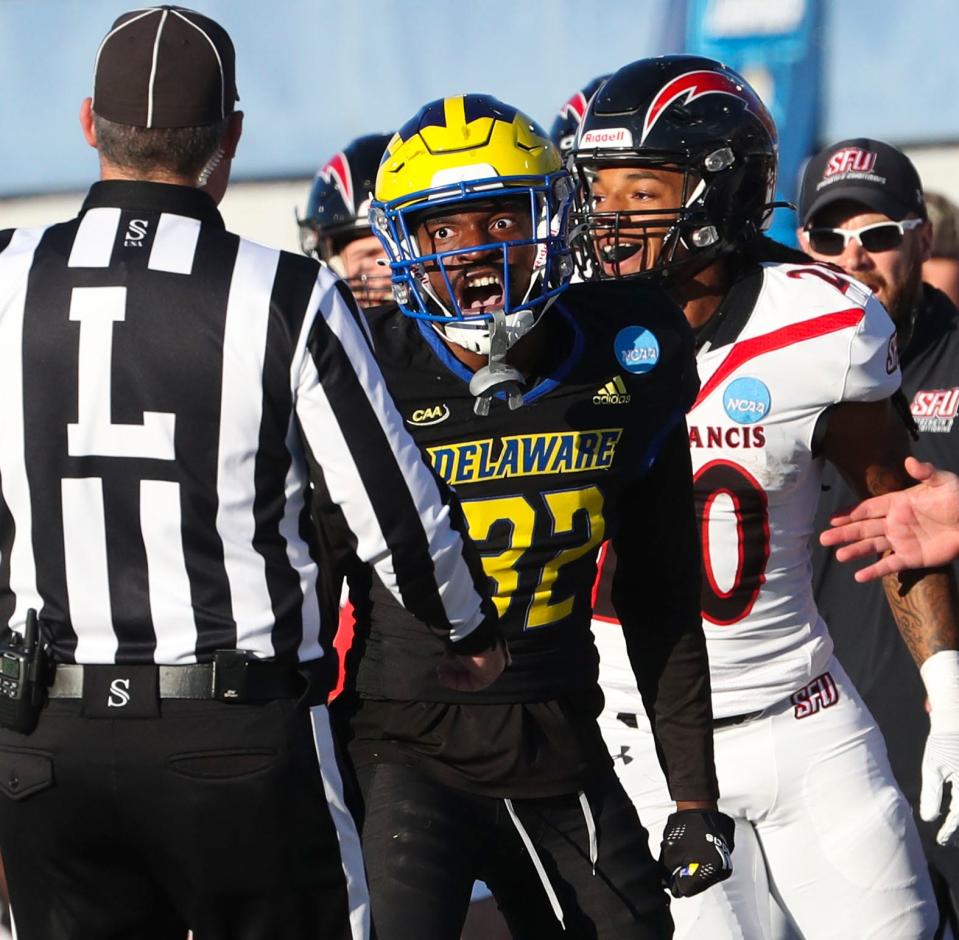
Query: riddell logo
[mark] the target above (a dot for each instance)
(850, 160)
(607, 137)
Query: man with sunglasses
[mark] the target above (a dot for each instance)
(862, 208)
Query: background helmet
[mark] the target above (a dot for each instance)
(566, 124)
(695, 114)
(337, 210)
(456, 152)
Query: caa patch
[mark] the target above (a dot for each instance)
(424, 417)
(746, 400)
(637, 349)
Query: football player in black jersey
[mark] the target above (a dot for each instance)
(558, 417)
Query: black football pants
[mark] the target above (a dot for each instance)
(425, 843)
(213, 817)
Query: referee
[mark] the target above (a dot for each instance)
(168, 393)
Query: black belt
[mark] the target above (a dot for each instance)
(253, 680)
(731, 720)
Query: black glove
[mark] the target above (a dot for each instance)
(697, 844)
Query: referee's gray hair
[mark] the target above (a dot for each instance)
(183, 151)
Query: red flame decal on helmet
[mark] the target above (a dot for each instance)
(337, 172)
(693, 85)
(575, 107)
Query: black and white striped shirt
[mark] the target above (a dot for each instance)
(165, 388)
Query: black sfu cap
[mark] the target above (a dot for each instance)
(165, 67)
(862, 170)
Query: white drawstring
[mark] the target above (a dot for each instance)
(591, 829)
(537, 864)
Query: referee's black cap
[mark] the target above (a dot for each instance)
(167, 67)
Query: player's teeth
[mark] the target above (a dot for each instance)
(483, 282)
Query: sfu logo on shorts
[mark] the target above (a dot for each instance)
(820, 693)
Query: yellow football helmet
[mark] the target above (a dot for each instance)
(457, 151)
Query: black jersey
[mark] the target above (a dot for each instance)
(597, 452)
(542, 486)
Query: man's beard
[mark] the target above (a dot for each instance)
(902, 298)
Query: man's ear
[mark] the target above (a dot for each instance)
(86, 122)
(803, 239)
(925, 240)
(232, 134)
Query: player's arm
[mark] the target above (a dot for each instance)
(402, 518)
(656, 594)
(867, 442)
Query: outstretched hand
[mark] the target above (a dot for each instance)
(918, 526)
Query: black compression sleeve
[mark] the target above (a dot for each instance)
(656, 593)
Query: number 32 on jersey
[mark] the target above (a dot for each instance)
(527, 541)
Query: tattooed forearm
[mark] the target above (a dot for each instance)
(925, 606)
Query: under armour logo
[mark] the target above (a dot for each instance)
(119, 693)
(623, 756)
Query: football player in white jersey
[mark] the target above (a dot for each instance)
(676, 158)
(336, 227)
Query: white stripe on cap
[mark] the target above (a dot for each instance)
(153, 68)
(108, 37)
(216, 52)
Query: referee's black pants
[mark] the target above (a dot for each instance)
(425, 843)
(212, 817)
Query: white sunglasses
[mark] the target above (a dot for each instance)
(880, 236)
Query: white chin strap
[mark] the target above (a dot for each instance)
(475, 337)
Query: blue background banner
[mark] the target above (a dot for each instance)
(775, 47)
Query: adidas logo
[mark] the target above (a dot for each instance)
(612, 393)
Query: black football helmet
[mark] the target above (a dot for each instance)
(570, 116)
(338, 206)
(679, 112)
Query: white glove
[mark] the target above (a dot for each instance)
(940, 761)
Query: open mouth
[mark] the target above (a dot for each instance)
(616, 252)
(480, 292)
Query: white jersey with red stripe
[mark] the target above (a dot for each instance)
(813, 338)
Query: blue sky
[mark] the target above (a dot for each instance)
(313, 74)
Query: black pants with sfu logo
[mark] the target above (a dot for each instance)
(225, 819)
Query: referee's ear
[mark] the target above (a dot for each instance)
(231, 136)
(86, 122)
